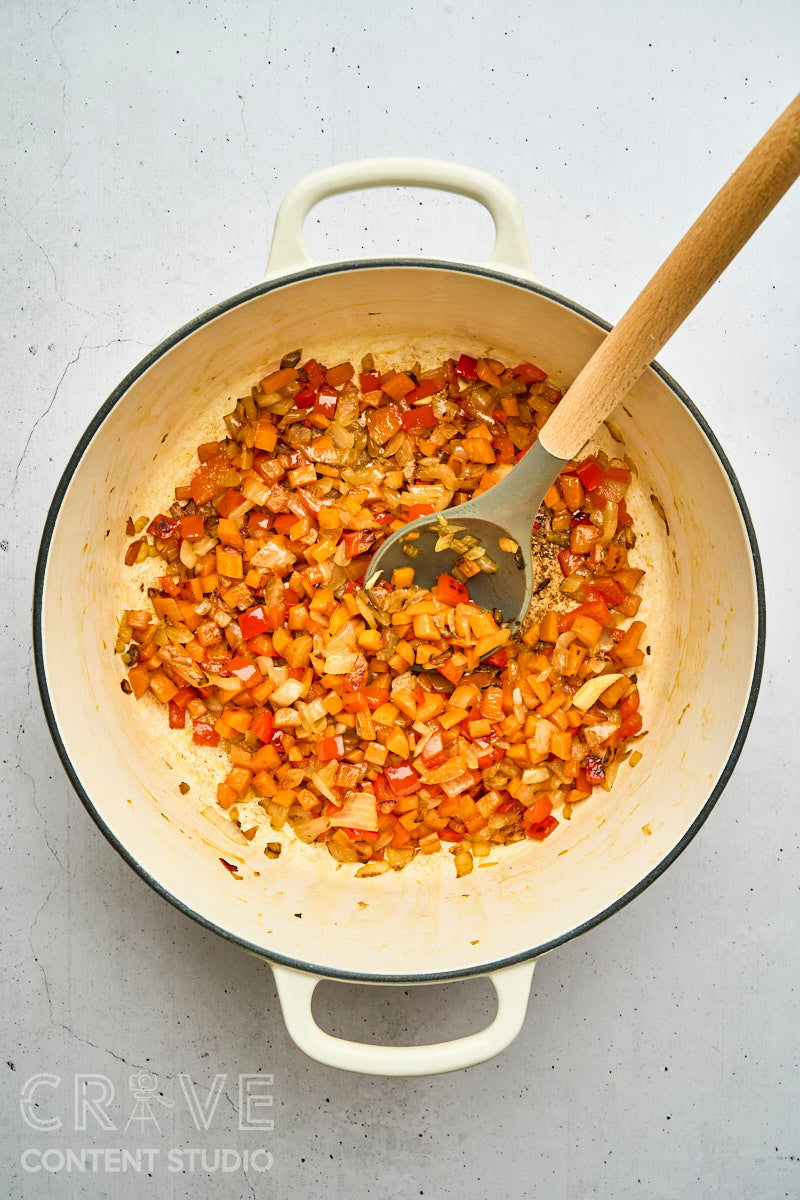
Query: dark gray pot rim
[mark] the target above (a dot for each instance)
(41, 565)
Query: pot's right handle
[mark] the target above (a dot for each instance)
(288, 251)
(296, 989)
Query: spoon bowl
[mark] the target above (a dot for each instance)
(501, 519)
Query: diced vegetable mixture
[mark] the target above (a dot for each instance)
(260, 637)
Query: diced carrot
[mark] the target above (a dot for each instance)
(492, 704)
(587, 629)
(548, 629)
(229, 535)
(336, 376)
(277, 380)
(560, 744)
(398, 385)
(238, 780)
(161, 687)
(225, 795)
(229, 564)
(139, 678)
(266, 434)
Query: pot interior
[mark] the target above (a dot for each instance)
(700, 607)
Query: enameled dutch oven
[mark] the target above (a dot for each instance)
(704, 610)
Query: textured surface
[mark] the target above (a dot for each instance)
(146, 148)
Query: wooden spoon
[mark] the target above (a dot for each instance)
(507, 510)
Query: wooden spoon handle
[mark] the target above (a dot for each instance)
(681, 281)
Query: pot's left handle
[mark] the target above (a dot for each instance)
(296, 989)
(288, 251)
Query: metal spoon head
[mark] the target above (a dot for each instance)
(505, 511)
(508, 588)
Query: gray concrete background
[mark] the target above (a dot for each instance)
(146, 146)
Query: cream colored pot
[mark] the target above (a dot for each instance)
(704, 608)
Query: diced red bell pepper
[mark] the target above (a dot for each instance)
(543, 829)
(620, 474)
(192, 527)
(624, 518)
(177, 716)
(315, 373)
(418, 418)
(570, 562)
(230, 502)
(284, 522)
(450, 591)
(204, 734)
(432, 753)
(466, 367)
(596, 609)
(164, 527)
(529, 373)
(383, 518)
(326, 402)
(305, 398)
(311, 503)
(594, 768)
(207, 480)
(590, 473)
(425, 388)
(369, 381)
(629, 705)
(631, 727)
(183, 696)
(354, 585)
(420, 510)
(170, 586)
(450, 835)
(498, 659)
(254, 621)
(263, 726)
(403, 779)
(605, 589)
(244, 670)
(330, 748)
(385, 797)
(358, 542)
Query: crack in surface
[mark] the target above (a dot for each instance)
(56, 286)
(44, 414)
(60, 56)
(105, 1050)
(46, 411)
(31, 928)
(247, 149)
(31, 778)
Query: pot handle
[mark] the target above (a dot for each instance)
(295, 992)
(288, 251)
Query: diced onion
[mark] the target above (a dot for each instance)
(360, 811)
(591, 691)
(224, 825)
(309, 831)
(286, 693)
